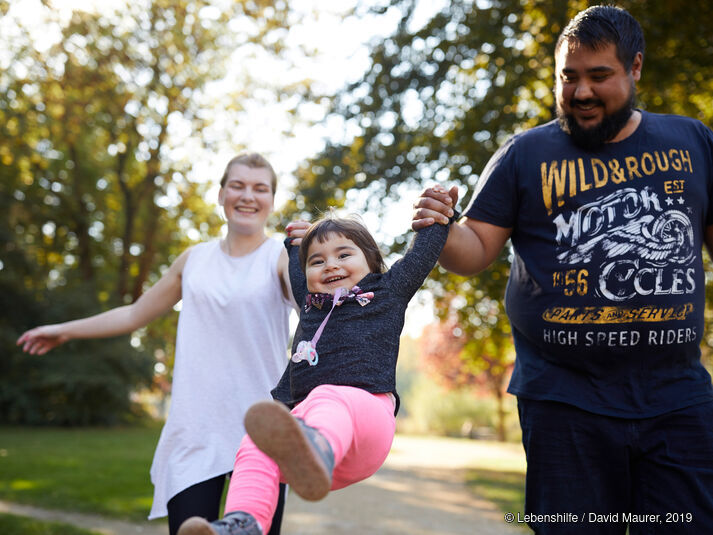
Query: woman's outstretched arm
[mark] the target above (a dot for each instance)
(157, 300)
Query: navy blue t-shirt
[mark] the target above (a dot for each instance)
(606, 290)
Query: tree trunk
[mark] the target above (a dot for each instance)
(81, 227)
(500, 399)
(148, 255)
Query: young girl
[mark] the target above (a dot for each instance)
(341, 378)
(221, 283)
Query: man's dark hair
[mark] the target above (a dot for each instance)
(599, 26)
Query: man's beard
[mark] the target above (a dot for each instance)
(596, 136)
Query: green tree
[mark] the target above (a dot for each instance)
(442, 95)
(95, 180)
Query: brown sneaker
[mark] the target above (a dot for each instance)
(303, 455)
(235, 523)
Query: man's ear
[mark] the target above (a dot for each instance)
(636, 66)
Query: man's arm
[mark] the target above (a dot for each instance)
(472, 245)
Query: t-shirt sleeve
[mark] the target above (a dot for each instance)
(495, 198)
(298, 282)
(408, 273)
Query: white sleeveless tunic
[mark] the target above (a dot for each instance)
(231, 349)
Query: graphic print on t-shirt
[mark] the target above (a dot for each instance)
(630, 250)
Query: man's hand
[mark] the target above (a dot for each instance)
(435, 205)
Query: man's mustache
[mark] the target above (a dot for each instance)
(586, 102)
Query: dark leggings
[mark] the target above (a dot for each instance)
(204, 499)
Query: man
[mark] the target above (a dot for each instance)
(607, 208)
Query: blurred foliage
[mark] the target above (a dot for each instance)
(442, 95)
(430, 408)
(96, 200)
(443, 398)
(95, 193)
(463, 353)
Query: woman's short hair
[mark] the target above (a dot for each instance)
(252, 160)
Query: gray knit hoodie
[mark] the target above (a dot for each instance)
(360, 344)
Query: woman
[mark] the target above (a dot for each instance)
(230, 345)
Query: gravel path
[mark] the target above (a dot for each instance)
(418, 491)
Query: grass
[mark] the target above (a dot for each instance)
(506, 489)
(498, 475)
(16, 525)
(100, 471)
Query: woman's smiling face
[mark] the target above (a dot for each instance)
(247, 198)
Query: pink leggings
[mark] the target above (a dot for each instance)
(359, 427)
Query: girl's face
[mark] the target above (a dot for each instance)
(336, 263)
(247, 198)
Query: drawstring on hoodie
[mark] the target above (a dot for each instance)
(306, 349)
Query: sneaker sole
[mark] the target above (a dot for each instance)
(196, 526)
(278, 434)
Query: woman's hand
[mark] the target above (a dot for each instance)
(296, 231)
(40, 340)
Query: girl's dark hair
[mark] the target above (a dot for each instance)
(350, 228)
(599, 26)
